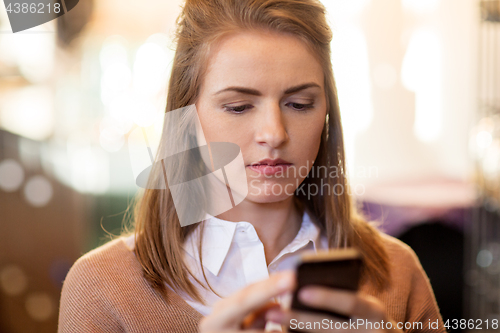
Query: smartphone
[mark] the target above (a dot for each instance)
(338, 268)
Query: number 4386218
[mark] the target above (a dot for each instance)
(33, 8)
(471, 324)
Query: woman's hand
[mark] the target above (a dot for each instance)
(247, 308)
(355, 305)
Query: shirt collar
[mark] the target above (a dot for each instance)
(219, 234)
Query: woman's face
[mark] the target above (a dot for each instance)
(265, 93)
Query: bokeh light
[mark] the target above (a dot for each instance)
(13, 280)
(38, 191)
(39, 306)
(11, 175)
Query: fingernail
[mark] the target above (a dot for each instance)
(275, 316)
(306, 295)
(285, 282)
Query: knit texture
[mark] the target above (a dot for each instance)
(105, 291)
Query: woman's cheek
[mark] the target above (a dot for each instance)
(309, 144)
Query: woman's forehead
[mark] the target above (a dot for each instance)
(261, 59)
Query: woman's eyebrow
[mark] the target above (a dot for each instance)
(250, 91)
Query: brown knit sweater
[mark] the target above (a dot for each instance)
(105, 291)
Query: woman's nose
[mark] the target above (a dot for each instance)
(271, 127)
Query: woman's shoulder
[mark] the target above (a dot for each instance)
(105, 288)
(108, 262)
(399, 252)
(407, 273)
(409, 296)
(97, 286)
(411, 285)
(404, 266)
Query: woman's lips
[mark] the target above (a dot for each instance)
(267, 169)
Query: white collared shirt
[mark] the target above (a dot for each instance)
(233, 257)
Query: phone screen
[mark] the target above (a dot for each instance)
(337, 272)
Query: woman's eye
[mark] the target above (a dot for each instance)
(300, 106)
(238, 108)
(245, 107)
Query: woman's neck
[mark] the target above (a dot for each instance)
(276, 223)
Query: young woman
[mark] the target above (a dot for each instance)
(259, 75)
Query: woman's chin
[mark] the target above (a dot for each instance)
(266, 195)
(266, 198)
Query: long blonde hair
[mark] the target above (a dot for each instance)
(159, 235)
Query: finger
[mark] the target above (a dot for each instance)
(230, 311)
(344, 302)
(275, 315)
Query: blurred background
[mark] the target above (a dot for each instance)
(419, 89)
